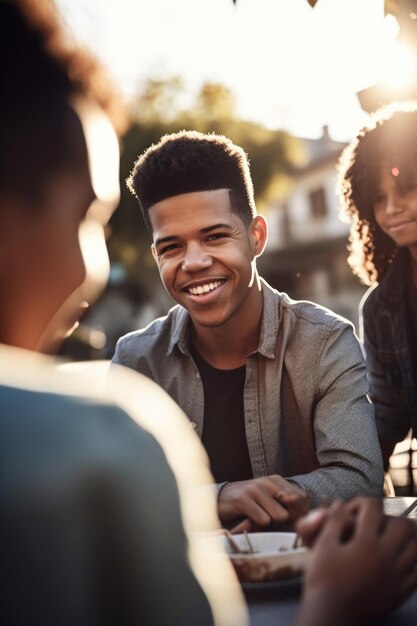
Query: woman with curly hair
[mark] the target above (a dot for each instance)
(378, 188)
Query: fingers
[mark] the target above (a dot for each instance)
(295, 500)
(369, 516)
(297, 503)
(339, 522)
(250, 499)
(262, 508)
(406, 560)
(399, 535)
(245, 525)
(309, 527)
(263, 501)
(399, 532)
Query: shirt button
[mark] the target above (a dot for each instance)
(197, 376)
(193, 425)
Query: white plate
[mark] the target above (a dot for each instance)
(274, 559)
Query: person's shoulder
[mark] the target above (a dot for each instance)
(39, 393)
(52, 428)
(158, 330)
(57, 405)
(369, 299)
(311, 313)
(154, 339)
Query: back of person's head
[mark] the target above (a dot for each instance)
(191, 161)
(388, 142)
(55, 98)
(40, 71)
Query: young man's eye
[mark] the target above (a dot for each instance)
(169, 248)
(216, 236)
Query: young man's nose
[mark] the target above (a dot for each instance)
(195, 259)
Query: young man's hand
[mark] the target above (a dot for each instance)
(262, 501)
(361, 564)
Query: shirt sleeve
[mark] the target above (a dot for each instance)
(385, 390)
(345, 434)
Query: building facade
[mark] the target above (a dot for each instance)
(306, 255)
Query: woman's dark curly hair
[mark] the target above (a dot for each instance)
(390, 141)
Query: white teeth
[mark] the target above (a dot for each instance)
(200, 289)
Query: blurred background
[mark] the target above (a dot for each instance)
(291, 81)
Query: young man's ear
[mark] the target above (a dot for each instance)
(259, 234)
(154, 253)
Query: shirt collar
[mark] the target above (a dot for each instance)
(180, 330)
(271, 317)
(393, 284)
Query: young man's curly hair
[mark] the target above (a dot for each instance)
(389, 142)
(191, 161)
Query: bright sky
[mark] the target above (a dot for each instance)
(289, 66)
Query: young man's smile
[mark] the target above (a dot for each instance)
(205, 290)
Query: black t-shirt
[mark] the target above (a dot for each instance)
(224, 436)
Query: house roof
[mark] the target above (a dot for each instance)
(318, 152)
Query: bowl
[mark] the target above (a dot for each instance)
(274, 557)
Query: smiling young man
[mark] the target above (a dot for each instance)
(95, 516)
(276, 389)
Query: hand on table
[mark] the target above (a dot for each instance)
(361, 564)
(262, 501)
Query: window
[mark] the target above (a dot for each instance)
(318, 204)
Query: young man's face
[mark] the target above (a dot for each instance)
(396, 213)
(205, 254)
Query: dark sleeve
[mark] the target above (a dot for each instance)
(344, 425)
(91, 531)
(392, 419)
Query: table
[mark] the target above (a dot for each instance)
(279, 607)
(275, 610)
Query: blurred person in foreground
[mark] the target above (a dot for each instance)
(378, 188)
(92, 528)
(275, 388)
(95, 516)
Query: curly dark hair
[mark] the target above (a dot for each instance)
(389, 141)
(192, 161)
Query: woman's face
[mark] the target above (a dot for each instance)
(396, 212)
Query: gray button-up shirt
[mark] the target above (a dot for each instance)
(307, 415)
